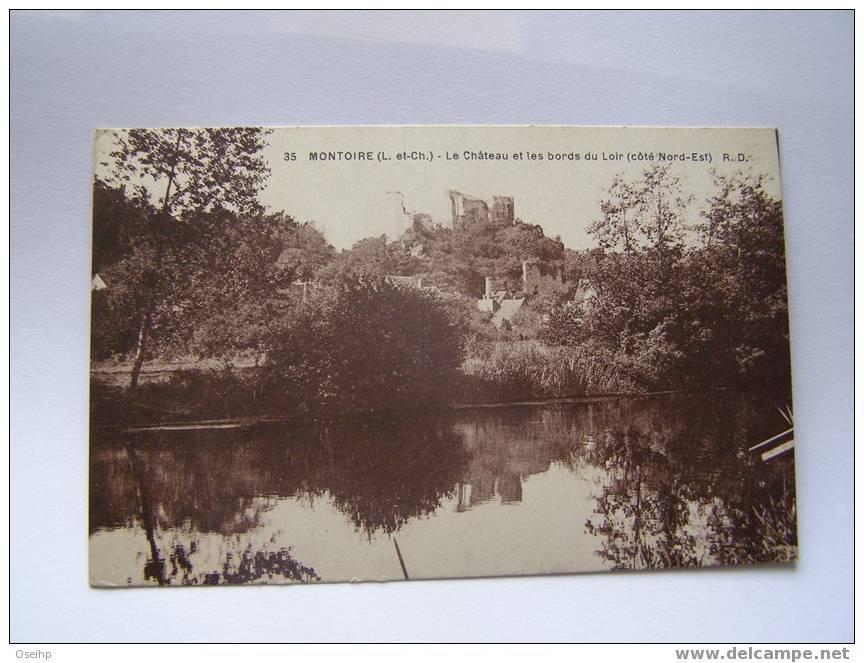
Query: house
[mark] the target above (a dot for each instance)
(98, 283)
(508, 310)
(499, 303)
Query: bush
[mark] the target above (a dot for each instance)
(368, 347)
(563, 326)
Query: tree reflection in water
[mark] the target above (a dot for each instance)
(379, 473)
(682, 490)
(669, 478)
(643, 513)
(245, 567)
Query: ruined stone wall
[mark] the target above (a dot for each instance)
(466, 210)
(398, 218)
(421, 221)
(503, 210)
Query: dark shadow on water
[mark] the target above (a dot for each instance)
(682, 489)
(672, 483)
(379, 473)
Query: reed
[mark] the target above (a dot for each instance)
(530, 369)
(778, 525)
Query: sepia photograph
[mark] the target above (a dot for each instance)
(338, 354)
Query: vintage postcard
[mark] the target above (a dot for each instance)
(330, 354)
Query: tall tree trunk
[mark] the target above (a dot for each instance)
(147, 317)
(141, 344)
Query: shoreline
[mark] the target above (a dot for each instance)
(251, 421)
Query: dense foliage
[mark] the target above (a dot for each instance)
(367, 346)
(676, 293)
(198, 173)
(216, 291)
(668, 314)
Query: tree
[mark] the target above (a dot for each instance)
(119, 223)
(669, 313)
(195, 172)
(743, 258)
(227, 292)
(616, 227)
(634, 319)
(646, 214)
(369, 258)
(305, 249)
(368, 346)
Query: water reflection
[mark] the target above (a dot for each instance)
(622, 483)
(683, 490)
(505, 447)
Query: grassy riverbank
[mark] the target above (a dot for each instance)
(493, 372)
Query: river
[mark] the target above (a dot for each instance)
(616, 483)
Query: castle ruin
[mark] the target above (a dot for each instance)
(466, 210)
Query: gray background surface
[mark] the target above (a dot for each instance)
(73, 72)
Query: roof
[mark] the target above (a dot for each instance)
(509, 308)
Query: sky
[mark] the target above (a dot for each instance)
(348, 199)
